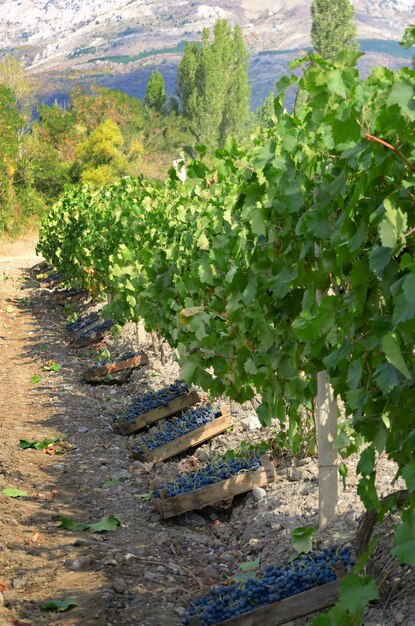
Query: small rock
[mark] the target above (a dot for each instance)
(7, 597)
(119, 585)
(294, 474)
(250, 423)
(181, 612)
(120, 474)
(129, 557)
(83, 429)
(258, 494)
(193, 520)
(79, 563)
(58, 467)
(81, 543)
(18, 583)
(202, 455)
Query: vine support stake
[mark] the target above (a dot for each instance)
(327, 455)
(326, 434)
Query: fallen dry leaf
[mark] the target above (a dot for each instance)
(189, 464)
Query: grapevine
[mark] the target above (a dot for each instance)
(224, 266)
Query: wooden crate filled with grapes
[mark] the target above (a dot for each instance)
(307, 584)
(178, 434)
(68, 296)
(94, 334)
(225, 477)
(107, 367)
(154, 406)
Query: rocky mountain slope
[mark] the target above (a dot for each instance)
(71, 33)
(117, 43)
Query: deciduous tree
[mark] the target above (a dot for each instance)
(333, 27)
(213, 85)
(156, 92)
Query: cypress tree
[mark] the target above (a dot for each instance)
(333, 27)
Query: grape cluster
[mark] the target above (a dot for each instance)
(105, 361)
(153, 400)
(220, 469)
(277, 583)
(82, 322)
(175, 427)
(97, 329)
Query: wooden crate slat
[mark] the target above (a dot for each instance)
(199, 498)
(146, 419)
(189, 440)
(118, 366)
(89, 327)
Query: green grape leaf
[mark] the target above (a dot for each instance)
(302, 539)
(14, 493)
(106, 524)
(392, 350)
(404, 538)
(59, 606)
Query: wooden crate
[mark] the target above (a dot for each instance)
(93, 337)
(146, 419)
(189, 440)
(49, 284)
(77, 333)
(112, 368)
(63, 298)
(294, 607)
(199, 498)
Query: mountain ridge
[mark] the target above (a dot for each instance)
(71, 33)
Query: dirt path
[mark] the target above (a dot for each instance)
(33, 555)
(133, 576)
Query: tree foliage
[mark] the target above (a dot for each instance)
(101, 154)
(213, 85)
(332, 28)
(156, 92)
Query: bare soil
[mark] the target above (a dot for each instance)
(148, 571)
